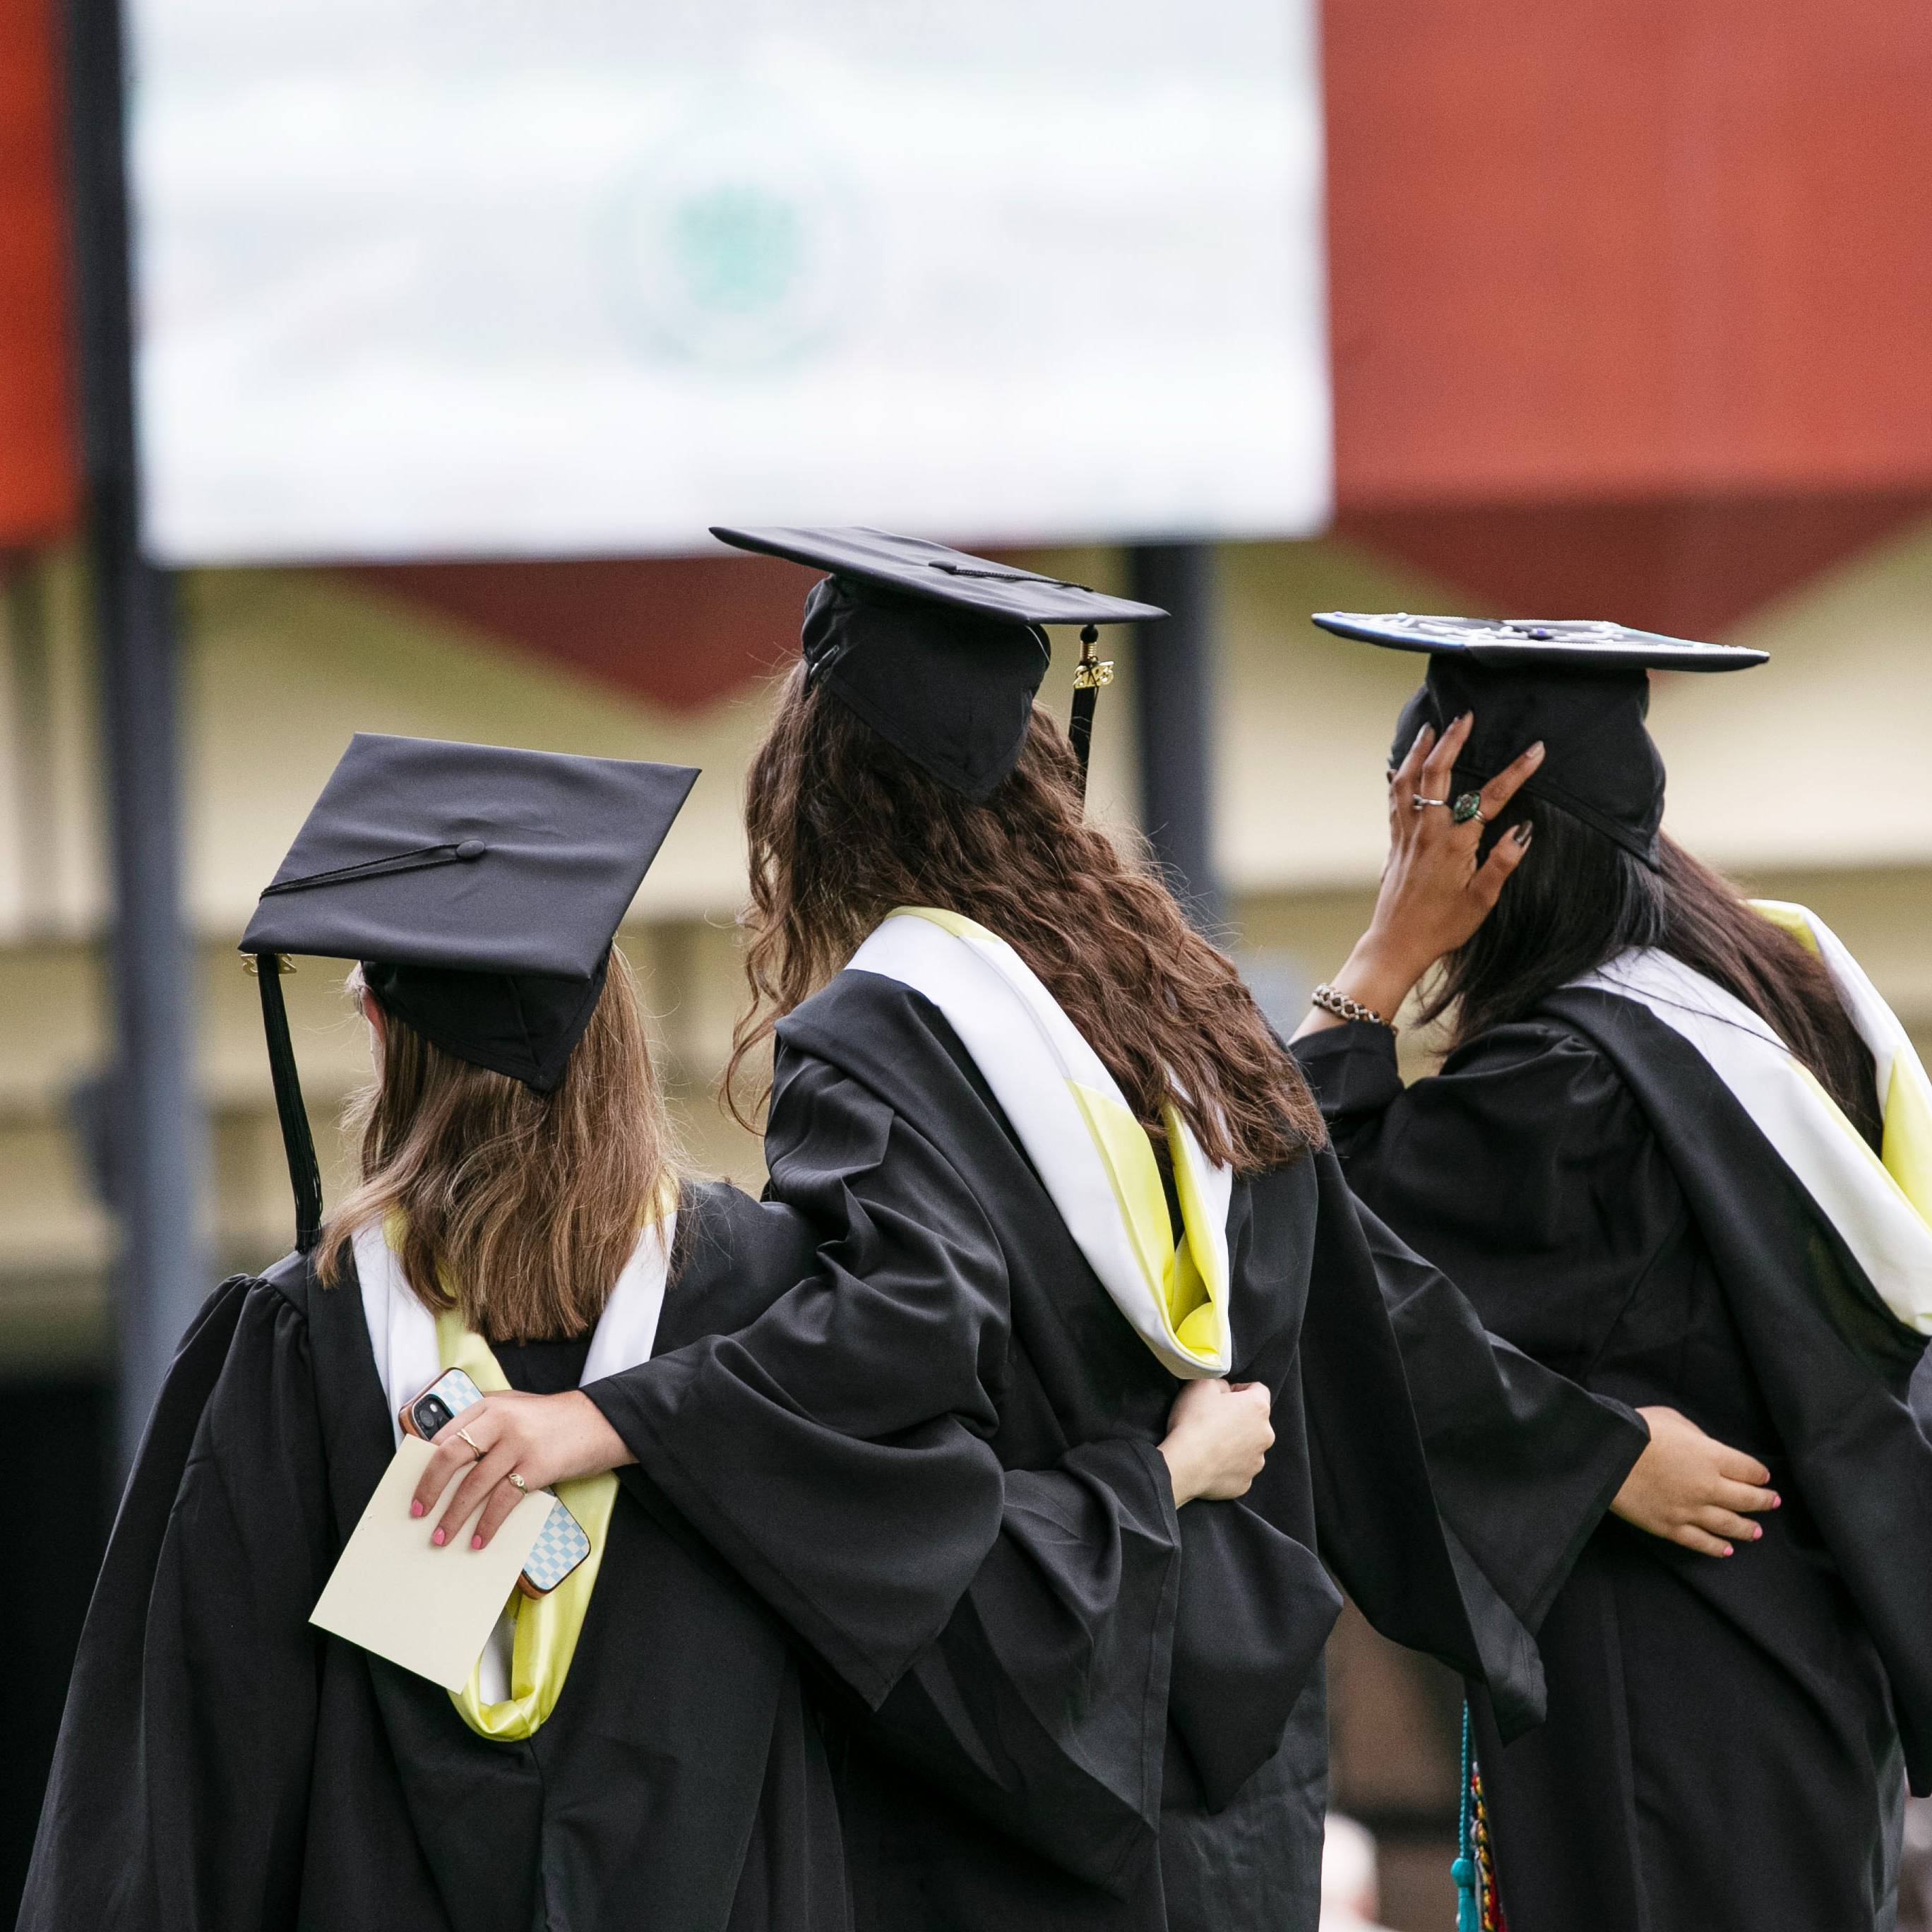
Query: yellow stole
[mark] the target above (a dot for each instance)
(1186, 1281)
(1906, 1148)
(548, 1628)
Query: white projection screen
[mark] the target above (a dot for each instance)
(555, 277)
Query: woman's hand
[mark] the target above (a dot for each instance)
(1688, 1488)
(543, 1438)
(1218, 1437)
(1434, 895)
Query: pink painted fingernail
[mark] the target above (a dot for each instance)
(1729, 1551)
(1776, 1502)
(438, 1539)
(415, 1509)
(476, 1542)
(1757, 1530)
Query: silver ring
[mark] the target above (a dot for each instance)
(1468, 806)
(517, 1482)
(1418, 801)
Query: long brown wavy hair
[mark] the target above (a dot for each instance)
(520, 1209)
(843, 828)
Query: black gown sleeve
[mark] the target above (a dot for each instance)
(1529, 1128)
(1042, 1705)
(1008, 1631)
(180, 1785)
(1256, 1603)
(835, 1451)
(1255, 1608)
(1523, 1459)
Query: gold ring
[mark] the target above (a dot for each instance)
(516, 1482)
(481, 1451)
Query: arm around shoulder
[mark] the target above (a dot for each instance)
(834, 1450)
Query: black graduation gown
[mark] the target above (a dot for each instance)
(1722, 1753)
(1062, 1704)
(224, 1767)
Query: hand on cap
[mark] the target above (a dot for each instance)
(1437, 888)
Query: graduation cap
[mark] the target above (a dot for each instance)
(1581, 688)
(941, 653)
(479, 886)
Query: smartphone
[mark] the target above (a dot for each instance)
(439, 1405)
(563, 1546)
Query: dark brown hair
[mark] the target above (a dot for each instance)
(1579, 899)
(518, 1208)
(843, 828)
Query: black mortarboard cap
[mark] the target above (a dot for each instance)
(1581, 688)
(479, 886)
(939, 651)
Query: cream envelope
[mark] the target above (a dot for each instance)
(431, 1610)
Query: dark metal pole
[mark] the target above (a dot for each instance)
(1174, 673)
(25, 597)
(156, 1126)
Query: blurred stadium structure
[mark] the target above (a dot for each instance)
(1625, 317)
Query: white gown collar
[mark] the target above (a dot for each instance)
(402, 1331)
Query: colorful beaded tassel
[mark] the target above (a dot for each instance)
(1478, 1907)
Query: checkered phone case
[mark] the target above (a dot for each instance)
(561, 1547)
(454, 1390)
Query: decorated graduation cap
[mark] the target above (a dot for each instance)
(480, 888)
(939, 652)
(1581, 688)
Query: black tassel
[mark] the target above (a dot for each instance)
(1088, 677)
(1080, 729)
(305, 1176)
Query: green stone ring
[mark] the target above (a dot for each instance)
(1468, 806)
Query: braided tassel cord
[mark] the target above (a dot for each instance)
(1478, 1906)
(1469, 1908)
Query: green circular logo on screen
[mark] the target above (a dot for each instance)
(736, 248)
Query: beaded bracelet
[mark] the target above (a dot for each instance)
(1325, 997)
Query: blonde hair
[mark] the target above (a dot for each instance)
(516, 1208)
